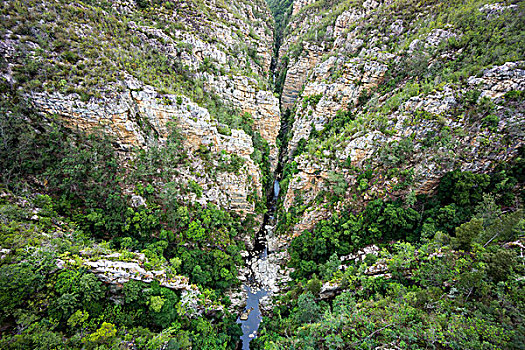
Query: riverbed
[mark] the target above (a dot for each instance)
(259, 267)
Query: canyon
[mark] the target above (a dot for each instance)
(281, 131)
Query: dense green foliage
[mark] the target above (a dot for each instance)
(460, 196)
(73, 309)
(446, 270)
(281, 10)
(434, 297)
(83, 177)
(449, 287)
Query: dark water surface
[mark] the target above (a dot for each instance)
(250, 326)
(254, 292)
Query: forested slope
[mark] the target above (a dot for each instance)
(403, 176)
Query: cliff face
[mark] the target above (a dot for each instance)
(133, 67)
(244, 93)
(385, 102)
(139, 117)
(379, 86)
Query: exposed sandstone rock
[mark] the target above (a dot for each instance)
(139, 116)
(245, 94)
(361, 254)
(111, 270)
(499, 80)
(469, 152)
(297, 74)
(357, 78)
(439, 35)
(496, 9)
(329, 290)
(300, 4)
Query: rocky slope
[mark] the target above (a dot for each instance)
(202, 66)
(385, 102)
(140, 116)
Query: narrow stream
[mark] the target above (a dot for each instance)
(257, 261)
(251, 317)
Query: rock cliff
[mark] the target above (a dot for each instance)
(140, 116)
(202, 66)
(369, 91)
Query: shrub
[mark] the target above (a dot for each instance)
(467, 233)
(307, 308)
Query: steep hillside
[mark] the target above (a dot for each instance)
(132, 67)
(388, 97)
(404, 123)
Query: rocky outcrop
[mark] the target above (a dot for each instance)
(470, 148)
(353, 15)
(264, 272)
(298, 5)
(311, 53)
(117, 269)
(111, 270)
(361, 254)
(354, 78)
(139, 116)
(497, 81)
(169, 63)
(231, 36)
(330, 289)
(334, 78)
(493, 10)
(269, 273)
(297, 74)
(245, 94)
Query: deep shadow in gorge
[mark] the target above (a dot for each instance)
(251, 317)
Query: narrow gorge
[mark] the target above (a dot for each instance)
(264, 273)
(263, 174)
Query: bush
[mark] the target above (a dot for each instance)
(467, 233)
(462, 188)
(307, 309)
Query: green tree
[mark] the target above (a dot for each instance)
(200, 276)
(463, 188)
(66, 304)
(132, 291)
(500, 264)
(103, 335)
(91, 288)
(17, 283)
(307, 309)
(338, 183)
(467, 233)
(155, 303)
(195, 231)
(331, 267)
(314, 285)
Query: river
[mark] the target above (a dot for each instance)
(251, 317)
